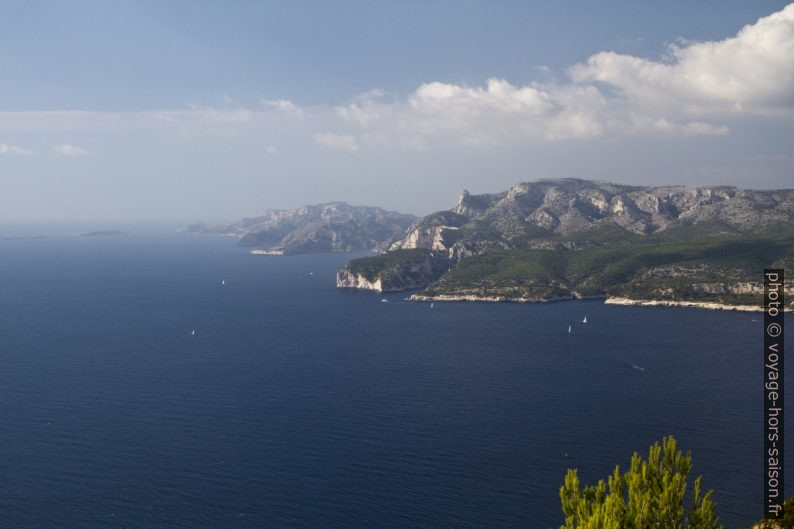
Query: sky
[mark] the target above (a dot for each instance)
(186, 111)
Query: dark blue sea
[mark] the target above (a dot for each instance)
(297, 405)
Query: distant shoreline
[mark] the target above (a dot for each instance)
(608, 300)
(494, 299)
(103, 233)
(690, 304)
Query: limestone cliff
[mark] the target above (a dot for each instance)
(348, 279)
(397, 270)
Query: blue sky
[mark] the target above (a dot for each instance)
(184, 111)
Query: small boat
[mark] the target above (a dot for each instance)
(431, 305)
(638, 368)
(584, 320)
(384, 300)
(223, 281)
(569, 329)
(193, 332)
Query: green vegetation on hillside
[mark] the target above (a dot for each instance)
(401, 269)
(372, 266)
(572, 237)
(711, 270)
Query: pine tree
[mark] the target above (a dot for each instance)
(650, 495)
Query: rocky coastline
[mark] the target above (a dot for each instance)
(689, 304)
(493, 299)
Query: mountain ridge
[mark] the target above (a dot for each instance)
(329, 226)
(568, 206)
(558, 238)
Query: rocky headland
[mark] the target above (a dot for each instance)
(333, 226)
(571, 238)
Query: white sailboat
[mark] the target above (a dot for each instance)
(584, 320)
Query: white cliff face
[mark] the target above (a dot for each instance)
(347, 279)
(618, 206)
(431, 238)
(598, 202)
(408, 269)
(462, 207)
(543, 219)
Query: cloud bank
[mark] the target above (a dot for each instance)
(7, 149)
(751, 73)
(693, 89)
(340, 142)
(69, 150)
(690, 91)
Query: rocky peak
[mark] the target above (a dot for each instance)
(463, 207)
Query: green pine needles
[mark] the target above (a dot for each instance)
(651, 495)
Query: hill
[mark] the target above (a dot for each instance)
(576, 238)
(333, 226)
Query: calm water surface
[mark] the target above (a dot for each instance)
(296, 405)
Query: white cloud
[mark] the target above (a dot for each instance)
(340, 142)
(6, 148)
(283, 105)
(499, 113)
(688, 94)
(191, 120)
(697, 88)
(750, 73)
(66, 149)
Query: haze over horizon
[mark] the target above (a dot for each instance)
(197, 111)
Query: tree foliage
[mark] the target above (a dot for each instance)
(650, 495)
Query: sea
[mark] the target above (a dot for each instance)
(166, 380)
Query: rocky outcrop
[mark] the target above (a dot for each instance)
(334, 226)
(433, 232)
(347, 279)
(397, 270)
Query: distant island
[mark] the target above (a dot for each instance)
(572, 238)
(329, 227)
(103, 233)
(21, 237)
